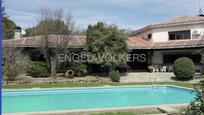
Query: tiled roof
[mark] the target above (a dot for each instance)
(179, 44)
(179, 20)
(138, 43)
(75, 41)
(133, 43)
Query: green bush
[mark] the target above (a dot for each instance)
(184, 68)
(37, 69)
(115, 76)
(79, 69)
(197, 105)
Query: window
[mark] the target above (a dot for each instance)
(149, 36)
(179, 35)
(37, 56)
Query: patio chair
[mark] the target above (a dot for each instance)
(163, 69)
(170, 68)
(156, 69)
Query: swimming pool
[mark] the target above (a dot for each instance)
(67, 99)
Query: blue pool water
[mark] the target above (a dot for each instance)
(46, 100)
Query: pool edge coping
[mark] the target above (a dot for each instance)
(96, 109)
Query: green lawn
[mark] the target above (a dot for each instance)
(94, 84)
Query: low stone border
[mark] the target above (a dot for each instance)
(56, 112)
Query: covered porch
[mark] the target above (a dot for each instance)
(161, 55)
(163, 60)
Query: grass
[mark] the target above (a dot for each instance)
(93, 84)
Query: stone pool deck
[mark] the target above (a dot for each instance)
(150, 108)
(148, 77)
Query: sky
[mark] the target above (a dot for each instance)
(127, 14)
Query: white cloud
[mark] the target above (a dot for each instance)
(21, 12)
(125, 13)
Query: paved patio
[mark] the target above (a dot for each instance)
(149, 77)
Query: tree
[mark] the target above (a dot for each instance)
(30, 32)
(197, 106)
(53, 22)
(8, 26)
(106, 40)
(10, 53)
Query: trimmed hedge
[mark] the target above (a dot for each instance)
(37, 69)
(184, 68)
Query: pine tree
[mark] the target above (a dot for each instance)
(8, 25)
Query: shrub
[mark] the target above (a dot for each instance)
(37, 69)
(79, 69)
(184, 68)
(115, 76)
(197, 105)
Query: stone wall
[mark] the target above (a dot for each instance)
(22, 60)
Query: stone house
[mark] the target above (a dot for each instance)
(159, 44)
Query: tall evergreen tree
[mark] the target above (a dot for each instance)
(103, 39)
(8, 25)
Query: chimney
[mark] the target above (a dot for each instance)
(17, 32)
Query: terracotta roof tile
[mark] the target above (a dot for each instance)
(180, 19)
(133, 42)
(76, 41)
(140, 43)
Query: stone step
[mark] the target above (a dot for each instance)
(168, 110)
